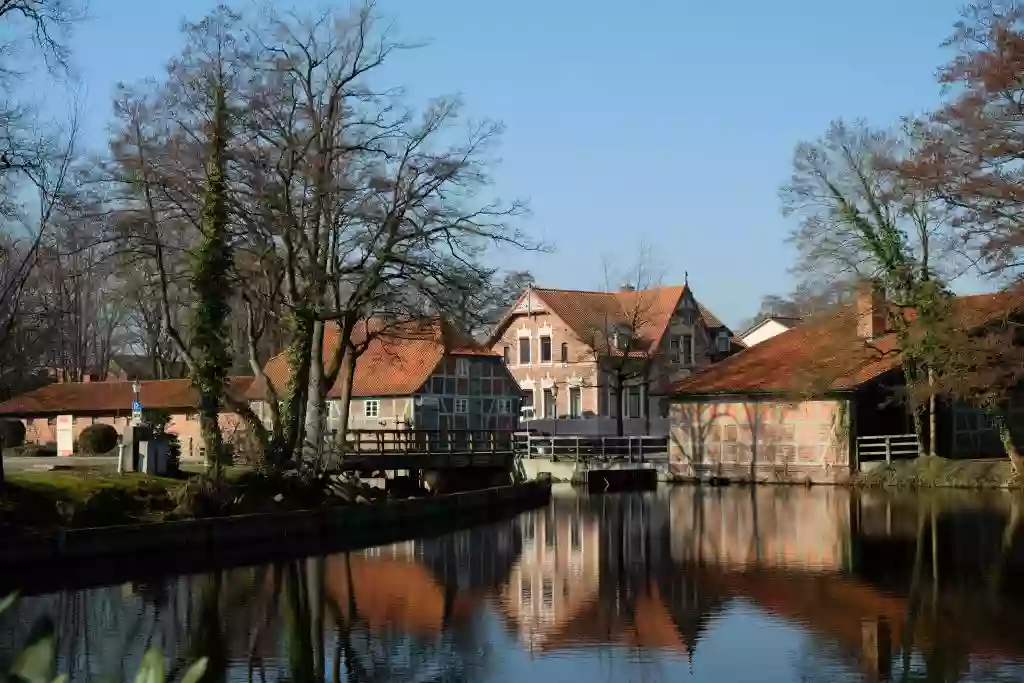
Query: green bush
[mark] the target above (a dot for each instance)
(98, 439)
(12, 433)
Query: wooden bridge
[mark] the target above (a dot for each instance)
(370, 450)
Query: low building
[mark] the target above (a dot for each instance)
(554, 342)
(422, 375)
(768, 327)
(799, 405)
(88, 403)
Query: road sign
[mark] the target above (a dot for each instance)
(136, 407)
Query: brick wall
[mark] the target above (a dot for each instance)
(770, 440)
(40, 430)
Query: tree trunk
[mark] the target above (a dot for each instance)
(313, 439)
(346, 377)
(1006, 436)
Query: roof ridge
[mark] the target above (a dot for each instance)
(608, 292)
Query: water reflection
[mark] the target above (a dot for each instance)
(758, 584)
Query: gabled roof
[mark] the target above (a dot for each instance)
(141, 367)
(825, 354)
(109, 397)
(585, 312)
(785, 321)
(397, 361)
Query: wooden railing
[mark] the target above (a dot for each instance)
(582, 448)
(387, 441)
(887, 447)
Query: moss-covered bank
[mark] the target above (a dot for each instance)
(934, 472)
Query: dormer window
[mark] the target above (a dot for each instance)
(723, 341)
(622, 338)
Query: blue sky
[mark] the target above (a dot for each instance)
(666, 121)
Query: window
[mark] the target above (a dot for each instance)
(549, 404)
(371, 408)
(507, 355)
(723, 341)
(673, 349)
(528, 398)
(575, 402)
(687, 349)
(461, 406)
(633, 402)
(504, 406)
(565, 352)
(462, 367)
(545, 349)
(51, 421)
(524, 350)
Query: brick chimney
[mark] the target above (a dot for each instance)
(870, 306)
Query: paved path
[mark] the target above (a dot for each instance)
(22, 464)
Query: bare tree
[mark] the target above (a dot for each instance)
(621, 338)
(859, 221)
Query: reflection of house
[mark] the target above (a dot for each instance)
(791, 407)
(767, 328)
(551, 340)
(388, 588)
(111, 403)
(741, 529)
(423, 374)
(556, 575)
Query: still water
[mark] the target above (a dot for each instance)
(773, 585)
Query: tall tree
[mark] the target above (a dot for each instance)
(860, 221)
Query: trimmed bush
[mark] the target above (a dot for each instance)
(98, 439)
(12, 433)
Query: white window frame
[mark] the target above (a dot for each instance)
(528, 341)
(540, 349)
(462, 403)
(675, 344)
(723, 341)
(373, 403)
(462, 367)
(579, 392)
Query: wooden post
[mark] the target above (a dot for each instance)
(888, 450)
(876, 647)
(577, 448)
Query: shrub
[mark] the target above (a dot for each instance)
(97, 439)
(12, 433)
(35, 450)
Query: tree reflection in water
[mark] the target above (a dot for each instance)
(638, 582)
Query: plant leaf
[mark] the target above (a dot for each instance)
(8, 601)
(35, 663)
(195, 672)
(151, 670)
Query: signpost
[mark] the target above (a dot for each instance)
(136, 412)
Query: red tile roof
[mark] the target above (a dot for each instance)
(825, 354)
(647, 312)
(111, 397)
(395, 363)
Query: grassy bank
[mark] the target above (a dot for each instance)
(80, 498)
(933, 472)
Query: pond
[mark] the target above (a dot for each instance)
(768, 585)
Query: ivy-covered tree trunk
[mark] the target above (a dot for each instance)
(1002, 419)
(212, 286)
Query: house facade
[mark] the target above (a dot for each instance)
(800, 405)
(417, 375)
(88, 403)
(556, 343)
(766, 328)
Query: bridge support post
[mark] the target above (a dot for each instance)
(876, 648)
